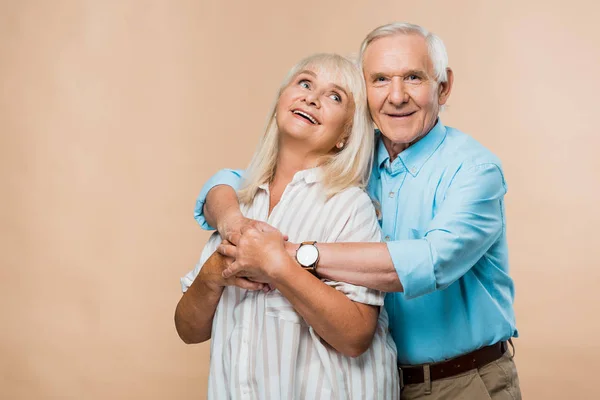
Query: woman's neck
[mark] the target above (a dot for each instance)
(289, 162)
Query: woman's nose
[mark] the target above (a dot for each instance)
(312, 99)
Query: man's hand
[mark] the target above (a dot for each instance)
(234, 223)
(228, 249)
(259, 254)
(212, 275)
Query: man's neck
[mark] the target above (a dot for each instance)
(395, 148)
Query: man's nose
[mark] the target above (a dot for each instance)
(398, 93)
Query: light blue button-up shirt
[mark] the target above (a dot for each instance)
(442, 205)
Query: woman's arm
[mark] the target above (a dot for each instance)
(346, 325)
(196, 308)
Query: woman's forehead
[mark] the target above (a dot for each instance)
(329, 73)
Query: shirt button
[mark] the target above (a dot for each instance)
(387, 238)
(391, 194)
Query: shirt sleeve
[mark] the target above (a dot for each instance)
(359, 225)
(469, 221)
(209, 249)
(227, 177)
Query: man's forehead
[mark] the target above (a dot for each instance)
(407, 52)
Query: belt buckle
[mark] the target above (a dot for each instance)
(401, 376)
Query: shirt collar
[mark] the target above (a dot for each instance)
(413, 158)
(309, 176)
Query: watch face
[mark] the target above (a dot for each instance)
(307, 255)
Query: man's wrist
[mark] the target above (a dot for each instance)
(291, 249)
(228, 215)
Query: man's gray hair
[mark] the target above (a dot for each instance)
(437, 49)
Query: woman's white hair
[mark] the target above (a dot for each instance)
(435, 45)
(350, 166)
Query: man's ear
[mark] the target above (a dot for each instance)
(446, 87)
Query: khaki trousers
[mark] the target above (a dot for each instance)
(497, 380)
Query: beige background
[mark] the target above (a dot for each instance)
(113, 113)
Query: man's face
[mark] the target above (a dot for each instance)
(404, 96)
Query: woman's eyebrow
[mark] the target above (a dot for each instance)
(311, 73)
(341, 89)
(307, 71)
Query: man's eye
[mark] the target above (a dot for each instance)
(380, 79)
(412, 77)
(304, 83)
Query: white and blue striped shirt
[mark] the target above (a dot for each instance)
(261, 348)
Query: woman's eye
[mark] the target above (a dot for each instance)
(305, 84)
(335, 97)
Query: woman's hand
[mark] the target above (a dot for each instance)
(212, 275)
(259, 252)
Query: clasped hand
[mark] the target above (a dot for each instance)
(259, 251)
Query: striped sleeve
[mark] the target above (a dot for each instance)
(360, 225)
(209, 249)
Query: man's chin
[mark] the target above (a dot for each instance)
(399, 135)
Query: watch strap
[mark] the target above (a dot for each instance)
(313, 267)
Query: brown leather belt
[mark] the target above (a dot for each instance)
(466, 362)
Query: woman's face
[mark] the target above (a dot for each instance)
(314, 111)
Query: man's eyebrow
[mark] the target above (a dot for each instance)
(377, 75)
(419, 72)
(415, 72)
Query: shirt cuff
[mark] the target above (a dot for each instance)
(223, 177)
(413, 263)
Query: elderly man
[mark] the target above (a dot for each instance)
(445, 256)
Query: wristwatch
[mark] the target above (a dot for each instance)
(307, 256)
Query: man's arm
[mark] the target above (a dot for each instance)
(365, 264)
(222, 209)
(467, 224)
(208, 211)
(218, 205)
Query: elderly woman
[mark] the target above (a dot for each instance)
(306, 338)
